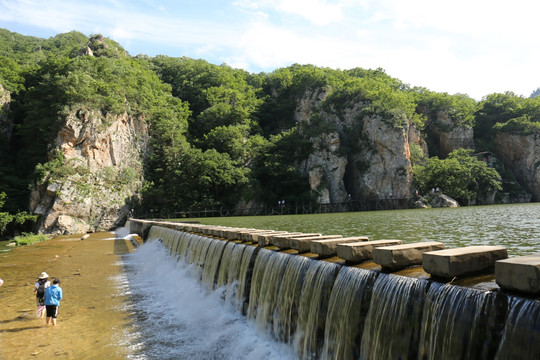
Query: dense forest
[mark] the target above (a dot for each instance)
(221, 136)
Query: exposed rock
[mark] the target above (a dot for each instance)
(6, 126)
(103, 157)
(436, 200)
(366, 157)
(447, 136)
(521, 153)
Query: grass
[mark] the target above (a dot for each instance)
(29, 238)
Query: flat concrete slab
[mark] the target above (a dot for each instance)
(397, 257)
(303, 244)
(328, 247)
(362, 251)
(519, 274)
(282, 241)
(263, 239)
(462, 261)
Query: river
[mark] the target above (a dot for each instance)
(122, 303)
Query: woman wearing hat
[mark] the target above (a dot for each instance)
(39, 289)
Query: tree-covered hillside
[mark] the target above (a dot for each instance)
(219, 136)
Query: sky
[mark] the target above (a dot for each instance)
(473, 47)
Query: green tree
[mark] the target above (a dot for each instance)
(461, 176)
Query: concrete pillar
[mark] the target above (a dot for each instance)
(282, 241)
(519, 274)
(462, 261)
(328, 247)
(303, 244)
(397, 257)
(361, 251)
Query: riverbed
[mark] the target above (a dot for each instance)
(94, 320)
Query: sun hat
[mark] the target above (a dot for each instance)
(43, 275)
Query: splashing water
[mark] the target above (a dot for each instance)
(176, 317)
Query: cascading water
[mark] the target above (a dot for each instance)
(314, 298)
(461, 323)
(315, 309)
(347, 311)
(521, 335)
(392, 326)
(287, 303)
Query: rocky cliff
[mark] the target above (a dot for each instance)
(521, 153)
(444, 136)
(100, 176)
(361, 155)
(6, 126)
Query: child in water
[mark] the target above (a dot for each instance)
(53, 295)
(39, 289)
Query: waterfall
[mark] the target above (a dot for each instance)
(287, 303)
(323, 310)
(347, 311)
(245, 277)
(521, 334)
(314, 298)
(461, 323)
(392, 327)
(212, 262)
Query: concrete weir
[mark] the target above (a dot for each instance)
(363, 250)
(338, 310)
(398, 257)
(520, 274)
(450, 263)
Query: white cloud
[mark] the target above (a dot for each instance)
(475, 47)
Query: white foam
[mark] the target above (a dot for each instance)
(177, 318)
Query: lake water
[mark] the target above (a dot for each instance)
(516, 226)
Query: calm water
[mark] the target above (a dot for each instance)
(516, 226)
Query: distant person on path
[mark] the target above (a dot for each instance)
(39, 289)
(53, 295)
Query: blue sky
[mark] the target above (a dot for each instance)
(476, 47)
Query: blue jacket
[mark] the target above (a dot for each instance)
(53, 295)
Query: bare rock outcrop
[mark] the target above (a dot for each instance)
(100, 175)
(6, 125)
(521, 153)
(447, 136)
(361, 155)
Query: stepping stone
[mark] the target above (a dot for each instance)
(519, 274)
(361, 251)
(462, 261)
(303, 244)
(398, 257)
(263, 239)
(328, 247)
(282, 241)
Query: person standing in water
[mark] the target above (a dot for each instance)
(53, 295)
(39, 289)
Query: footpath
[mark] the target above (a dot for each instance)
(93, 319)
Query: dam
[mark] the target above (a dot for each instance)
(328, 309)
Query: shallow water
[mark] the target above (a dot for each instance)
(93, 315)
(515, 226)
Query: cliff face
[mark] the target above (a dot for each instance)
(364, 156)
(101, 174)
(522, 155)
(5, 123)
(446, 137)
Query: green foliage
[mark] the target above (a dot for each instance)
(28, 238)
(460, 107)
(506, 112)
(522, 125)
(461, 176)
